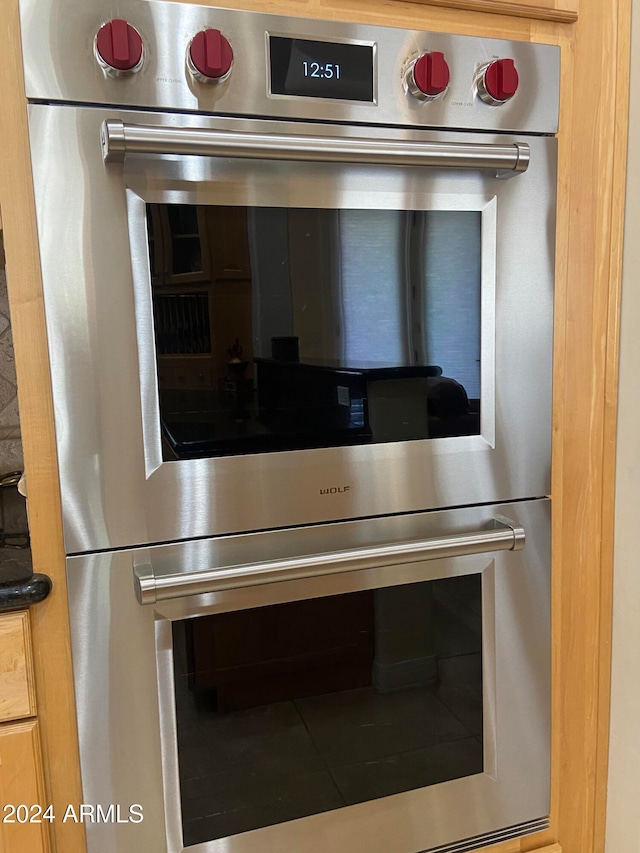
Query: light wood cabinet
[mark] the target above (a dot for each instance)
(561, 11)
(24, 827)
(17, 698)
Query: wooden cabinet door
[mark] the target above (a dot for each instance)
(17, 698)
(21, 784)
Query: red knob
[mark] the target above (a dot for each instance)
(119, 46)
(431, 74)
(210, 55)
(501, 80)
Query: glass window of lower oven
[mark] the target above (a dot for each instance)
(293, 709)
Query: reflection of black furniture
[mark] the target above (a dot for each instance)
(410, 406)
(304, 405)
(394, 403)
(297, 398)
(451, 412)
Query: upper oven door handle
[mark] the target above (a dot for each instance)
(119, 139)
(505, 536)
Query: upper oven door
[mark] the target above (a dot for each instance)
(267, 340)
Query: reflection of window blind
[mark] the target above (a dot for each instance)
(372, 271)
(451, 251)
(182, 323)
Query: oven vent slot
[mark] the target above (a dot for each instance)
(515, 831)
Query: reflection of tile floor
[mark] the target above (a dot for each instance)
(254, 768)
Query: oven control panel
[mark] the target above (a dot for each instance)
(174, 56)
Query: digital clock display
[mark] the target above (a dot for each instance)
(321, 69)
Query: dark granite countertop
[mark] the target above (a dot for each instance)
(19, 586)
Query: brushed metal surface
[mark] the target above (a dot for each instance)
(149, 589)
(123, 671)
(60, 65)
(119, 139)
(116, 489)
(120, 498)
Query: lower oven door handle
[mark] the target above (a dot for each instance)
(506, 535)
(119, 139)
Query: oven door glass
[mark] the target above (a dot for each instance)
(293, 709)
(291, 328)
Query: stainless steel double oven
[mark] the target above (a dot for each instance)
(298, 282)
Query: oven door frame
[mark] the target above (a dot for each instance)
(123, 673)
(116, 490)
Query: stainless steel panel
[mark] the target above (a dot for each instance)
(122, 657)
(116, 489)
(58, 38)
(150, 589)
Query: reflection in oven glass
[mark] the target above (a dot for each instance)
(280, 329)
(294, 709)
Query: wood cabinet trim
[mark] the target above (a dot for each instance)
(620, 122)
(593, 158)
(512, 8)
(49, 619)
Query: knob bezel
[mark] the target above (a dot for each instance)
(481, 88)
(197, 74)
(412, 88)
(110, 70)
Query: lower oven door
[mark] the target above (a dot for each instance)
(378, 685)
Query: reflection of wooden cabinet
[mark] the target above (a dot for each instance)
(189, 243)
(201, 276)
(176, 371)
(178, 244)
(229, 237)
(21, 778)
